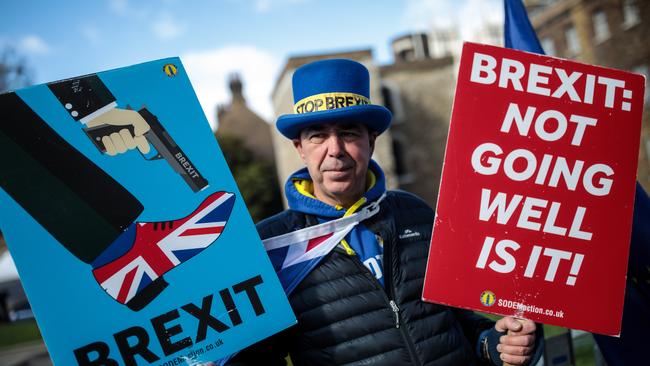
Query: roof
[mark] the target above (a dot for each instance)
(417, 65)
(295, 62)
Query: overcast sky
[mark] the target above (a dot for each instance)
(61, 39)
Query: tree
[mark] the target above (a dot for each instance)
(255, 177)
(14, 72)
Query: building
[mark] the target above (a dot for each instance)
(236, 119)
(13, 301)
(245, 141)
(612, 33)
(419, 90)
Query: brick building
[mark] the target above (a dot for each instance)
(612, 33)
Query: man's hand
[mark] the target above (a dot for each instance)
(118, 143)
(516, 347)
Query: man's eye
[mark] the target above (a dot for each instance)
(349, 135)
(317, 138)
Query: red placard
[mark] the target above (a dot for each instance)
(535, 206)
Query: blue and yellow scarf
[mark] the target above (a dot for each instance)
(360, 241)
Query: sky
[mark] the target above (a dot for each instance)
(61, 39)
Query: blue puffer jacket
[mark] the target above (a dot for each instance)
(345, 317)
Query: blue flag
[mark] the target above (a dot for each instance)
(630, 348)
(518, 31)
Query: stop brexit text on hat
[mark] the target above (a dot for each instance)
(535, 206)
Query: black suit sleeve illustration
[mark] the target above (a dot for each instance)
(114, 130)
(84, 96)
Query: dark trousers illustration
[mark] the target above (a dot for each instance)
(85, 209)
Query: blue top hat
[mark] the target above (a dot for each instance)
(334, 90)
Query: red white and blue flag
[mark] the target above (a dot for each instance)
(148, 250)
(295, 254)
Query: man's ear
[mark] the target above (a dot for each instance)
(297, 143)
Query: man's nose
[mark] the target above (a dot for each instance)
(335, 146)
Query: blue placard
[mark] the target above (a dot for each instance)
(131, 258)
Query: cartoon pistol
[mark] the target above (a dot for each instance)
(166, 148)
(87, 98)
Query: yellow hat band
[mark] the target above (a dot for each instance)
(328, 101)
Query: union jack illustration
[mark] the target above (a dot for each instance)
(146, 251)
(295, 254)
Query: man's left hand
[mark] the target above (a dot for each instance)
(516, 347)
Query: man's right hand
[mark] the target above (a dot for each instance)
(517, 346)
(118, 143)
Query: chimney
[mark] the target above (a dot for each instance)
(411, 47)
(236, 87)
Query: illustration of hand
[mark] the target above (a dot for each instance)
(131, 269)
(127, 138)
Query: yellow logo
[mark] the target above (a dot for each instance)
(488, 298)
(170, 70)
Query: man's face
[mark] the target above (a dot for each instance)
(337, 157)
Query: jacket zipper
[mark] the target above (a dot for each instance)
(393, 306)
(405, 335)
(388, 283)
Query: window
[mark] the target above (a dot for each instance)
(630, 14)
(572, 41)
(549, 46)
(393, 101)
(401, 157)
(601, 28)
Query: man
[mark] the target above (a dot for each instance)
(361, 304)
